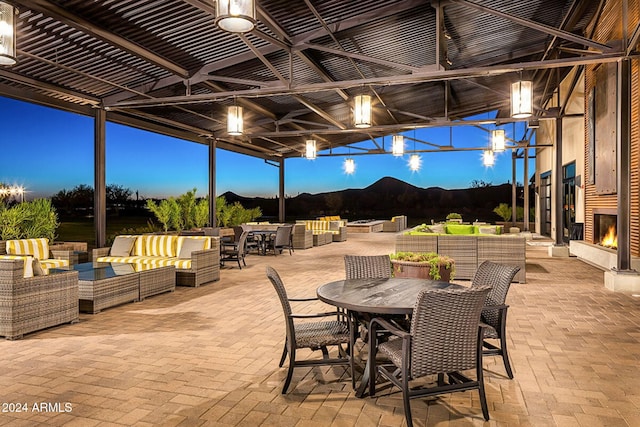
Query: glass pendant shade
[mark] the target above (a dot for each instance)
(498, 140)
(362, 111)
(415, 162)
(397, 145)
(236, 16)
(349, 166)
(7, 34)
(310, 152)
(488, 158)
(235, 125)
(521, 99)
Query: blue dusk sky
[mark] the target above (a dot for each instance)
(46, 150)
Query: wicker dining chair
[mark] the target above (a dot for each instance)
(313, 335)
(445, 338)
(494, 313)
(281, 240)
(367, 266)
(235, 252)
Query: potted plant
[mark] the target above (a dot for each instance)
(454, 217)
(423, 265)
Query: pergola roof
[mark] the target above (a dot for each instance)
(164, 66)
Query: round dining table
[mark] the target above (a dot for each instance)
(376, 296)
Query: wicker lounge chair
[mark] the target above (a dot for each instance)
(34, 303)
(313, 335)
(494, 313)
(445, 338)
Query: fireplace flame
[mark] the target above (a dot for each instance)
(610, 240)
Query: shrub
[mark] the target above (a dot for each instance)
(454, 215)
(503, 210)
(27, 220)
(434, 260)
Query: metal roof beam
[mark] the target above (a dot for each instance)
(87, 27)
(536, 26)
(358, 56)
(427, 76)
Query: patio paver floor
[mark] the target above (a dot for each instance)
(208, 356)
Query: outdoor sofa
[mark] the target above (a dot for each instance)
(395, 224)
(326, 231)
(195, 258)
(468, 247)
(28, 304)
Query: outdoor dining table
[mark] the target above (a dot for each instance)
(263, 237)
(376, 296)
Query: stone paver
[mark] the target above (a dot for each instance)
(209, 356)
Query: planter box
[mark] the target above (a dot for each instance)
(418, 270)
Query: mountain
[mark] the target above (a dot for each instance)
(388, 197)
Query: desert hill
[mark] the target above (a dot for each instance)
(388, 197)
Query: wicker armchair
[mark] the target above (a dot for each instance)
(445, 338)
(494, 313)
(313, 335)
(282, 240)
(34, 303)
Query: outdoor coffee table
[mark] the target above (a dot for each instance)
(105, 285)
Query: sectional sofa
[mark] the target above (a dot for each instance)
(196, 258)
(468, 245)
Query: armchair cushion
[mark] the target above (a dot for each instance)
(191, 245)
(122, 246)
(37, 248)
(37, 268)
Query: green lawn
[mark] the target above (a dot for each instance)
(82, 229)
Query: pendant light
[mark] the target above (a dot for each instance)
(397, 145)
(488, 158)
(7, 34)
(236, 16)
(362, 111)
(235, 124)
(498, 140)
(349, 166)
(415, 161)
(522, 99)
(310, 152)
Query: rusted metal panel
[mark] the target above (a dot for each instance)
(605, 124)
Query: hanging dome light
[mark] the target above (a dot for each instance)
(488, 158)
(310, 152)
(7, 34)
(236, 16)
(235, 123)
(415, 161)
(362, 111)
(349, 166)
(397, 145)
(521, 99)
(498, 140)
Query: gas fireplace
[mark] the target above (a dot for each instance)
(605, 230)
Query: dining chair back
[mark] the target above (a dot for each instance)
(316, 335)
(494, 314)
(444, 339)
(367, 266)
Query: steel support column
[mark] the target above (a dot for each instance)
(212, 182)
(557, 181)
(281, 213)
(526, 188)
(514, 188)
(99, 183)
(623, 146)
